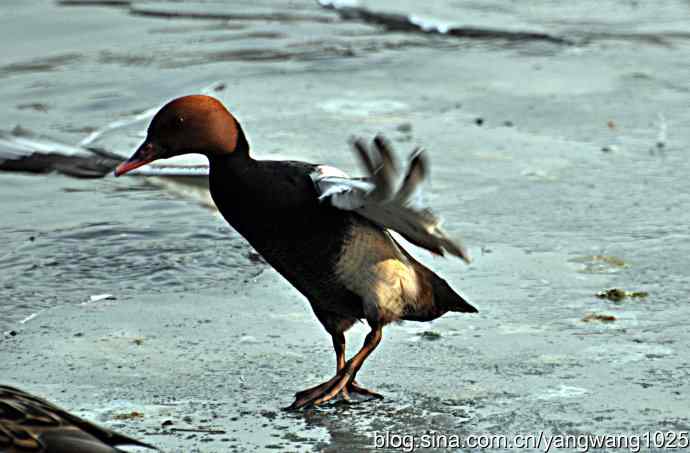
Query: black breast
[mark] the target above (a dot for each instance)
(274, 205)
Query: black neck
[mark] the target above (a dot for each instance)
(242, 146)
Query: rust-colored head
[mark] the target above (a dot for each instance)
(189, 124)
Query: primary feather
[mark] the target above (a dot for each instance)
(385, 198)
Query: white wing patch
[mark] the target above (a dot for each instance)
(343, 192)
(386, 199)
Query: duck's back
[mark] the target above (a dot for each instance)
(274, 205)
(342, 262)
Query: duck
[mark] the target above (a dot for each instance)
(30, 424)
(329, 235)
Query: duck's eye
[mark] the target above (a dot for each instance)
(179, 122)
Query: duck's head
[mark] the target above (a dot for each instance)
(189, 124)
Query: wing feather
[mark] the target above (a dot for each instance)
(381, 198)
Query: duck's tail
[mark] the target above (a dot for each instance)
(446, 298)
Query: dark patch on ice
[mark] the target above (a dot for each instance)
(176, 10)
(406, 23)
(120, 3)
(40, 65)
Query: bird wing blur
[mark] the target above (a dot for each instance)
(24, 151)
(384, 201)
(29, 424)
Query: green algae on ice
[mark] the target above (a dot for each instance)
(617, 294)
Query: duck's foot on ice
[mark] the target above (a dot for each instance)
(341, 385)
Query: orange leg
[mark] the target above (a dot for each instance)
(353, 386)
(343, 383)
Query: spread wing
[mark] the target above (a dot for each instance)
(385, 198)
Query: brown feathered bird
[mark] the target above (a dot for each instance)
(29, 424)
(326, 233)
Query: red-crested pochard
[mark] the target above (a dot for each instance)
(327, 234)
